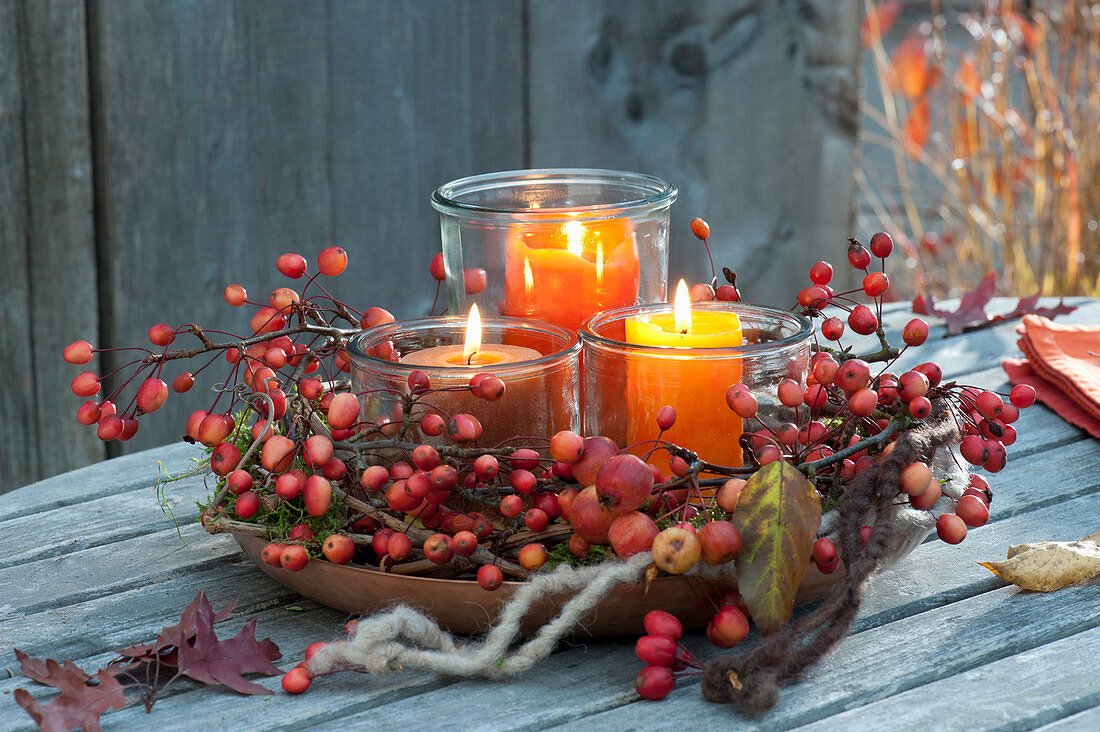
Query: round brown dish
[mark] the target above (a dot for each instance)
(461, 606)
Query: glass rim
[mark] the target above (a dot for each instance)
(587, 333)
(359, 356)
(654, 193)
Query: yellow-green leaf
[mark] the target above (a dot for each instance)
(778, 514)
(1049, 565)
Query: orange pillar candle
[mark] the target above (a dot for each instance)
(527, 407)
(692, 385)
(563, 273)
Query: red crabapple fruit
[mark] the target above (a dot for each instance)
(490, 577)
(338, 549)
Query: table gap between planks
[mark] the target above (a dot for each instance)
(90, 562)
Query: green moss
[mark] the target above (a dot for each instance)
(560, 554)
(712, 513)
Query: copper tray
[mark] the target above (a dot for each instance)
(461, 606)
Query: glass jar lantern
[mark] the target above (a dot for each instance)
(538, 363)
(625, 384)
(557, 245)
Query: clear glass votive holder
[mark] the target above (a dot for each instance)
(625, 384)
(556, 245)
(539, 364)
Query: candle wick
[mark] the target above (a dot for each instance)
(469, 361)
(684, 331)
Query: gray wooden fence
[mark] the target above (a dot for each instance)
(153, 151)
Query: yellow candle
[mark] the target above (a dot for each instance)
(693, 385)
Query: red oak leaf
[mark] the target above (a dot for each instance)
(79, 704)
(191, 646)
(48, 672)
(1027, 306)
(971, 314)
(170, 638)
(971, 307)
(206, 659)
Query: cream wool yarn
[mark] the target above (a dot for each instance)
(406, 639)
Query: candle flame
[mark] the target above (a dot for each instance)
(682, 308)
(473, 334)
(574, 237)
(528, 278)
(599, 263)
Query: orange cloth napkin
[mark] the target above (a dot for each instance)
(1063, 364)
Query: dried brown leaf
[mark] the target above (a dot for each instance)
(191, 645)
(1030, 306)
(1049, 565)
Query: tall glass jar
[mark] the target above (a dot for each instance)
(556, 245)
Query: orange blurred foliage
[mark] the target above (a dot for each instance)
(1000, 168)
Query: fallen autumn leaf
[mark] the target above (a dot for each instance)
(1049, 565)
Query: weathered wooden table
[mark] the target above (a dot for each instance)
(88, 562)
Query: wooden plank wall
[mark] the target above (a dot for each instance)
(163, 150)
(749, 106)
(50, 295)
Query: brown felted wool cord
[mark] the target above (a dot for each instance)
(753, 678)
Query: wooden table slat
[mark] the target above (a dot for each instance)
(951, 571)
(1020, 691)
(905, 654)
(84, 631)
(52, 532)
(1087, 720)
(939, 573)
(105, 570)
(127, 473)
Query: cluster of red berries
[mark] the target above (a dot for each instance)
(421, 487)
(819, 294)
(298, 679)
(509, 501)
(625, 498)
(845, 402)
(667, 660)
(474, 279)
(259, 359)
(664, 656)
(988, 431)
(295, 471)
